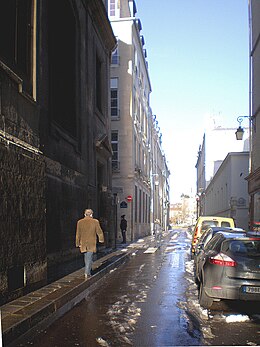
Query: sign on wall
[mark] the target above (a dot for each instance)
(123, 204)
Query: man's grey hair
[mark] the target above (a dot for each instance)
(88, 212)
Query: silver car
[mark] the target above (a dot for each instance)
(230, 268)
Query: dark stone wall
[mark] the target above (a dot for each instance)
(49, 175)
(22, 221)
(66, 201)
(23, 264)
(74, 179)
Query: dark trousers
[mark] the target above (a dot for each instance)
(123, 235)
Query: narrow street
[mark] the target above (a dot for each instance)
(150, 301)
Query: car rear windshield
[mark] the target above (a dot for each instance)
(249, 247)
(208, 223)
(225, 224)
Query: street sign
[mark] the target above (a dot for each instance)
(129, 198)
(123, 204)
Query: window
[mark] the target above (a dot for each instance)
(135, 150)
(114, 97)
(115, 57)
(16, 35)
(115, 156)
(113, 8)
(144, 206)
(149, 205)
(225, 224)
(139, 154)
(142, 158)
(145, 166)
(255, 223)
(215, 243)
(140, 206)
(136, 203)
(62, 63)
(135, 58)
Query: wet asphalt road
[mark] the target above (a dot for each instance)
(150, 301)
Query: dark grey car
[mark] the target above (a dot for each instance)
(230, 268)
(204, 239)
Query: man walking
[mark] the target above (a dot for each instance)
(123, 227)
(157, 232)
(87, 231)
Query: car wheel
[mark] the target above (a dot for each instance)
(204, 300)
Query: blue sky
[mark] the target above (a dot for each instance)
(197, 51)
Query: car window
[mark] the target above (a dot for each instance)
(253, 247)
(204, 236)
(237, 247)
(208, 238)
(214, 243)
(206, 224)
(225, 224)
(250, 248)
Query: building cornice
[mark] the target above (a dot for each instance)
(100, 17)
(255, 175)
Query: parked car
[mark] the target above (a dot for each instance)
(230, 268)
(205, 222)
(203, 240)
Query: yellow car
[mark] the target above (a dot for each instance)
(205, 222)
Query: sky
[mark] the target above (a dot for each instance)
(198, 63)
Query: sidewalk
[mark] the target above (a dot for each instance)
(36, 310)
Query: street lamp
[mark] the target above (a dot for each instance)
(240, 133)
(240, 130)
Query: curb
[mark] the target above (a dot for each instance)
(37, 310)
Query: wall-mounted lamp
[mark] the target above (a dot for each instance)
(240, 131)
(156, 179)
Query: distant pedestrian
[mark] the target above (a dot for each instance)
(157, 233)
(87, 231)
(123, 227)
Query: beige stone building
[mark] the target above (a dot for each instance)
(254, 177)
(133, 164)
(160, 185)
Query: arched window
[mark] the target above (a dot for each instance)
(62, 64)
(16, 33)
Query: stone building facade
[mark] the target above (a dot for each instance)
(136, 140)
(226, 194)
(130, 111)
(55, 151)
(254, 109)
(210, 157)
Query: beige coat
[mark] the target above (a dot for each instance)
(88, 229)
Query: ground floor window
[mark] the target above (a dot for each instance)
(255, 225)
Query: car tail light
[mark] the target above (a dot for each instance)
(222, 260)
(195, 235)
